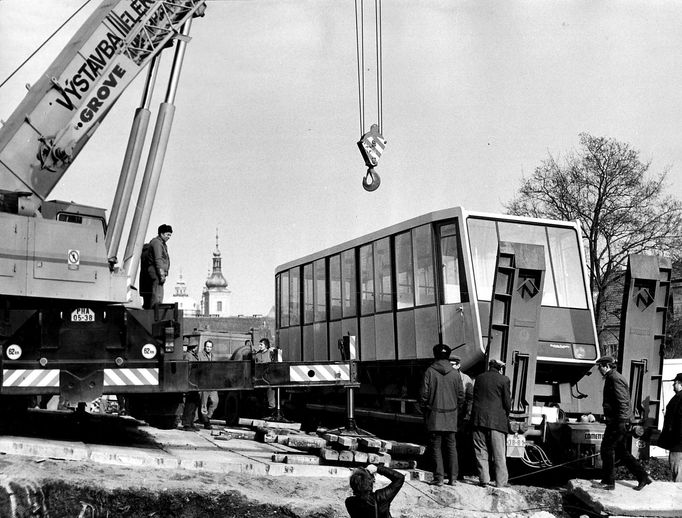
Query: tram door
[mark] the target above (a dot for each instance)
(455, 309)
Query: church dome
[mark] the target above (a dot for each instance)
(216, 279)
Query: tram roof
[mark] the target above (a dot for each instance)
(430, 217)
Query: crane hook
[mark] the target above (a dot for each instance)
(371, 181)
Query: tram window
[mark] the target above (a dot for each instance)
(449, 260)
(320, 291)
(349, 291)
(423, 267)
(284, 299)
(308, 298)
(335, 287)
(570, 285)
(294, 297)
(382, 274)
(483, 242)
(404, 269)
(534, 235)
(366, 280)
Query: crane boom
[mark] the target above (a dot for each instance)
(62, 110)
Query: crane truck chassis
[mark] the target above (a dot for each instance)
(70, 318)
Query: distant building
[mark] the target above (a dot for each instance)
(215, 299)
(189, 306)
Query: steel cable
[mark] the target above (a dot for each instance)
(44, 43)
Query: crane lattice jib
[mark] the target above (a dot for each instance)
(65, 106)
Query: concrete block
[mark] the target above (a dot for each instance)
(406, 449)
(331, 438)
(347, 443)
(380, 459)
(346, 456)
(369, 445)
(386, 445)
(361, 457)
(329, 455)
(240, 433)
(302, 459)
(279, 425)
(306, 442)
(419, 474)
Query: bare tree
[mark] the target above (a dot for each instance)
(604, 185)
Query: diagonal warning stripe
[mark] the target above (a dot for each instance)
(319, 373)
(130, 377)
(30, 378)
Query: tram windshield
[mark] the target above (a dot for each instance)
(564, 283)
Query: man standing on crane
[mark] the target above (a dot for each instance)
(155, 263)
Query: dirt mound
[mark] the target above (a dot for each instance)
(53, 488)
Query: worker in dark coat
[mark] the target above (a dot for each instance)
(264, 354)
(154, 266)
(616, 404)
(366, 503)
(671, 435)
(192, 399)
(441, 397)
(490, 422)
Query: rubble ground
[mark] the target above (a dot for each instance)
(54, 488)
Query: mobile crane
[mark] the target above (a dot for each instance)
(70, 321)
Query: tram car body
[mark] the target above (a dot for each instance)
(436, 279)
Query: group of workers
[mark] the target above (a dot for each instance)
(200, 405)
(457, 410)
(454, 407)
(451, 402)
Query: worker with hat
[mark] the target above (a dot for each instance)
(441, 398)
(490, 422)
(671, 435)
(616, 405)
(155, 263)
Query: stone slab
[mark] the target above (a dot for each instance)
(66, 450)
(660, 499)
(177, 449)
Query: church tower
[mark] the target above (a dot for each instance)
(216, 295)
(187, 304)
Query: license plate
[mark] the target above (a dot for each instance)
(516, 446)
(516, 440)
(82, 315)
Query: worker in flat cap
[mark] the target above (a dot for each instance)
(441, 398)
(490, 422)
(616, 405)
(154, 266)
(671, 435)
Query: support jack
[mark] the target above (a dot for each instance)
(351, 429)
(277, 416)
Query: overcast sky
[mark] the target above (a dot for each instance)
(263, 146)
